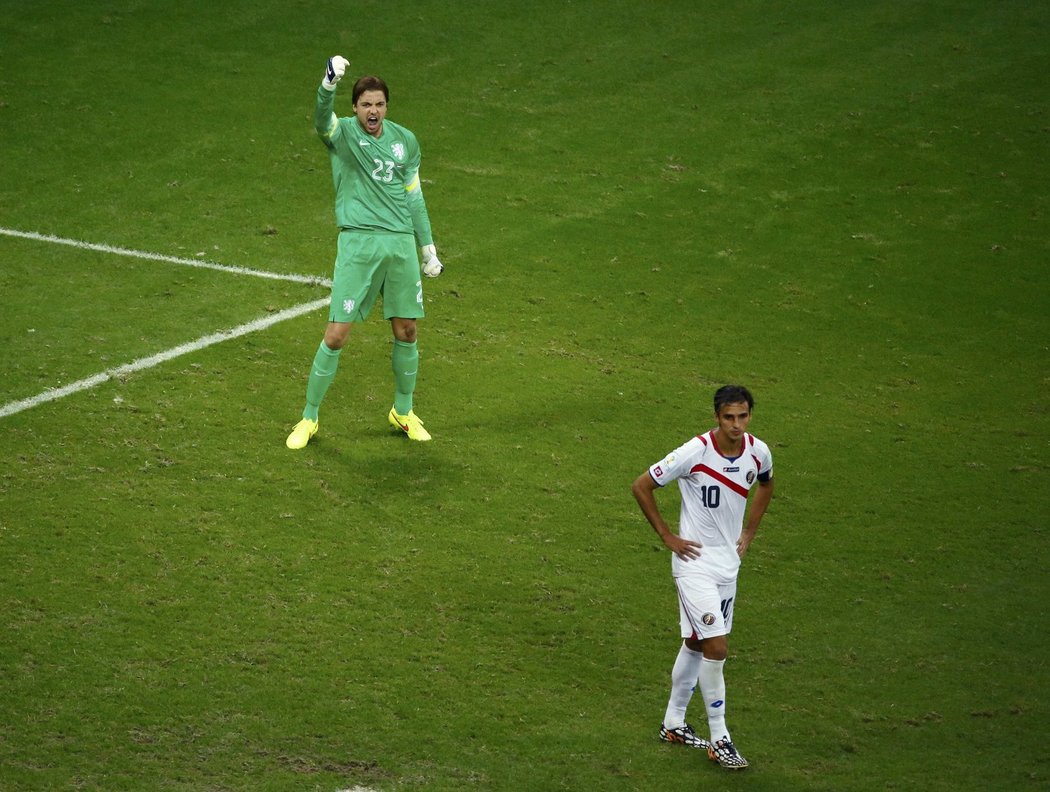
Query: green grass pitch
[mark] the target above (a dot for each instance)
(843, 206)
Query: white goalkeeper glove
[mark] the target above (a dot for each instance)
(334, 71)
(431, 266)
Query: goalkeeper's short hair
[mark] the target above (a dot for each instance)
(370, 83)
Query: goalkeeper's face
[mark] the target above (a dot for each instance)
(370, 110)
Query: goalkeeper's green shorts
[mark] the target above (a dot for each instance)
(373, 263)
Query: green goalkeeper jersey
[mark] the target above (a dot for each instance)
(376, 179)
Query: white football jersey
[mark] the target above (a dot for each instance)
(714, 495)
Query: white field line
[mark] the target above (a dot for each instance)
(200, 263)
(148, 362)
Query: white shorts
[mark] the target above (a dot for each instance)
(705, 606)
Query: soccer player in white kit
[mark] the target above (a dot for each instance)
(715, 472)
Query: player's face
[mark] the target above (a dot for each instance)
(733, 420)
(370, 110)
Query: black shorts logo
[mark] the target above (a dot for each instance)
(708, 619)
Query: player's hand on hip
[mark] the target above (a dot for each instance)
(432, 267)
(686, 549)
(334, 71)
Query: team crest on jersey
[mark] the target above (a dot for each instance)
(708, 619)
(750, 477)
(399, 151)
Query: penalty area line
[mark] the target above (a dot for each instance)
(142, 254)
(52, 394)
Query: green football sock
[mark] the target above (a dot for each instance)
(405, 362)
(322, 372)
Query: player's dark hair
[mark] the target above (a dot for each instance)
(370, 83)
(731, 394)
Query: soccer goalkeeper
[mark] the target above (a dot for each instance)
(382, 218)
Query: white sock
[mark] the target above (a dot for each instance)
(683, 682)
(713, 689)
